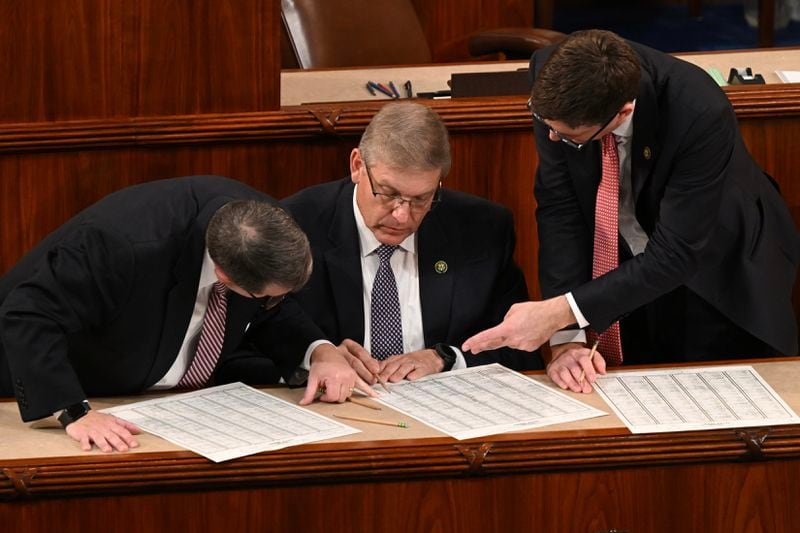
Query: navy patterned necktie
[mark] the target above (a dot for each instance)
(386, 327)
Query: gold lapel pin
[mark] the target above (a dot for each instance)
(647, 153)
(440, 267)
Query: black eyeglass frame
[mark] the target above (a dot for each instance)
(418, 205)
(268, 302)
(564, 139)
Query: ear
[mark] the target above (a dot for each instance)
(626, 110)
(356, 164)
(221, 276)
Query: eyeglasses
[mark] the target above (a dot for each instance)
(564, 139)
(268, 302)
(416, 205)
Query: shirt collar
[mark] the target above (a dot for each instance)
(207, 275)
(369, 243)
(626, 128)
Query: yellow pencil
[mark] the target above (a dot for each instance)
(591, 356)
(364, 402)
(373, 421)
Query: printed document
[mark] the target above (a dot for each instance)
(229, 421)
(484, 400)
(693, 399)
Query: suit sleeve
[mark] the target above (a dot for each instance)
(273, 348)
(509, 288)
(79, 285)
(684, 238)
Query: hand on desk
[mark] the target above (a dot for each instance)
(412, 365)
(107, 432)
(569, 361)
(526, 326)
(331, 373)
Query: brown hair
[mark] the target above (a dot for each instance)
(587, 79)
(257, 244)
(407, 136)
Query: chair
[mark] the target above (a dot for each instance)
(347, 33)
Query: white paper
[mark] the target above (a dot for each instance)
(229, 421)
(789, 76)
(689, 399)
(484, 400)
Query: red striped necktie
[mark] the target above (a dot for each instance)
(211, 337)
(606, 234)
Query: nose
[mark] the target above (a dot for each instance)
(553, 136)
(401, 211)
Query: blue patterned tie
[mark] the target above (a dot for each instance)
(386, 328)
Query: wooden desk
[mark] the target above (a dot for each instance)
(585, 476)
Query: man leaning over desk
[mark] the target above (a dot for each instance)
(656, 227)
(405, 270)
(151, 288)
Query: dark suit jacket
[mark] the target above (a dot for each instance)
(716, 222)
(102, 304)
(473, 236)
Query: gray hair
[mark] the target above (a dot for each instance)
(257, 244)
(407, 136)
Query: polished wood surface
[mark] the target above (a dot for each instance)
(83, 59)
(584, 477)
(446, 21)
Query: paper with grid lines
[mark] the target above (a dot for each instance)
(688, 399)
(229, 421)
(484, 400)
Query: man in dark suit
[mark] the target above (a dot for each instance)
(115, 300)
(696, 253)
(451, 262)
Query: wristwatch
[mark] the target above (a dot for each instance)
(447, 354)
(73, 413)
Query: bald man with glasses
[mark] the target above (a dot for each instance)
(405, 270)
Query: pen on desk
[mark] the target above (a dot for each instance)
(591, 357)
(380, 88)
(409, 92)
(370, 89)
(373, 421)
(363, 402)
(394, 89)
(385, 90)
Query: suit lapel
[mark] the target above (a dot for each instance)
(436, 244)
(182, 296)
(645, 125)
(343, 262)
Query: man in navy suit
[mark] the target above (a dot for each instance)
(706, 249)
(453, 265)
(113, 301)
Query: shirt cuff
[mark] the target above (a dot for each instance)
(460, 361)
(568, 335)
(582, 322)
(306, 364)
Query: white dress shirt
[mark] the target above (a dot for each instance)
(406, 275)
(629, 227)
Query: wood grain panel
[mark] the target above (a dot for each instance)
(81, 59)
(444, 21)
(712, 498)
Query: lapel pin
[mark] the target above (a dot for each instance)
(440, 267)
(647, 153)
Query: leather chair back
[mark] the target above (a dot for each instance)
(345, 33)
